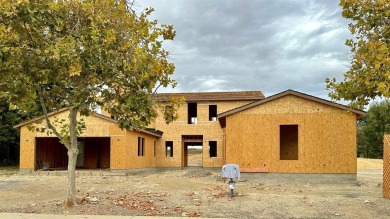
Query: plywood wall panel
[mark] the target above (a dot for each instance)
(95, 127)
(118, 152)
(326, 137)
(386, 166)
(27, 149)
(210, 130)
(133, 160)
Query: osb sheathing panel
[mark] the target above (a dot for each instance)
(213, 161)
(210, 130)
(118, 152)
(95, 127)
(326, 137)
(292, 104)
(386, 166)
(135, 161)
(27, 151)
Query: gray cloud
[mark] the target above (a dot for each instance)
(254, 45)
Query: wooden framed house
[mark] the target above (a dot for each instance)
(290, 132)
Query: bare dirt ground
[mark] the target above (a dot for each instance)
(195, 158)
(194, 192)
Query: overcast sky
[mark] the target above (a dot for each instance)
(272, 46)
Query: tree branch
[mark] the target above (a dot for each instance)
(155, 90)
(29, 34)
(45, 114)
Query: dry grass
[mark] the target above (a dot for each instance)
(365, 163)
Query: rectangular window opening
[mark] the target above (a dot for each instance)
(213, 148)
(192, 113)
(141, 146)
(288, 142)
(169, 148)
(212, 112)
(154, 148)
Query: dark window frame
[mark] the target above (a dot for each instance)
(154, 148)
(141, 146)
(213, 148)
(192, 110)
(213, 112)
(169, 144)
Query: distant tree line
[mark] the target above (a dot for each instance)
(9, 136)
(370, 130)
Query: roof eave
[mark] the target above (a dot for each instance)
(359, 113)
(93, 114)
(39, 118)
(219, 99)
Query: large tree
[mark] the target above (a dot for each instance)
(82, 54)
(372, 128)
(369, 73)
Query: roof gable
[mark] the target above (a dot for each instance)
(359, 113)
(212, 96)
(156, 133)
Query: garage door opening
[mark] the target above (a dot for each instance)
(94, 153)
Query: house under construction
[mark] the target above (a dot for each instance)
(289, 132)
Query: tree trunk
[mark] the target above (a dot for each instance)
(72, 155)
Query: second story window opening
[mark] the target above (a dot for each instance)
(212, 112)
(192, 113)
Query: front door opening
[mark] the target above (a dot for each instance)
(192, 155)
